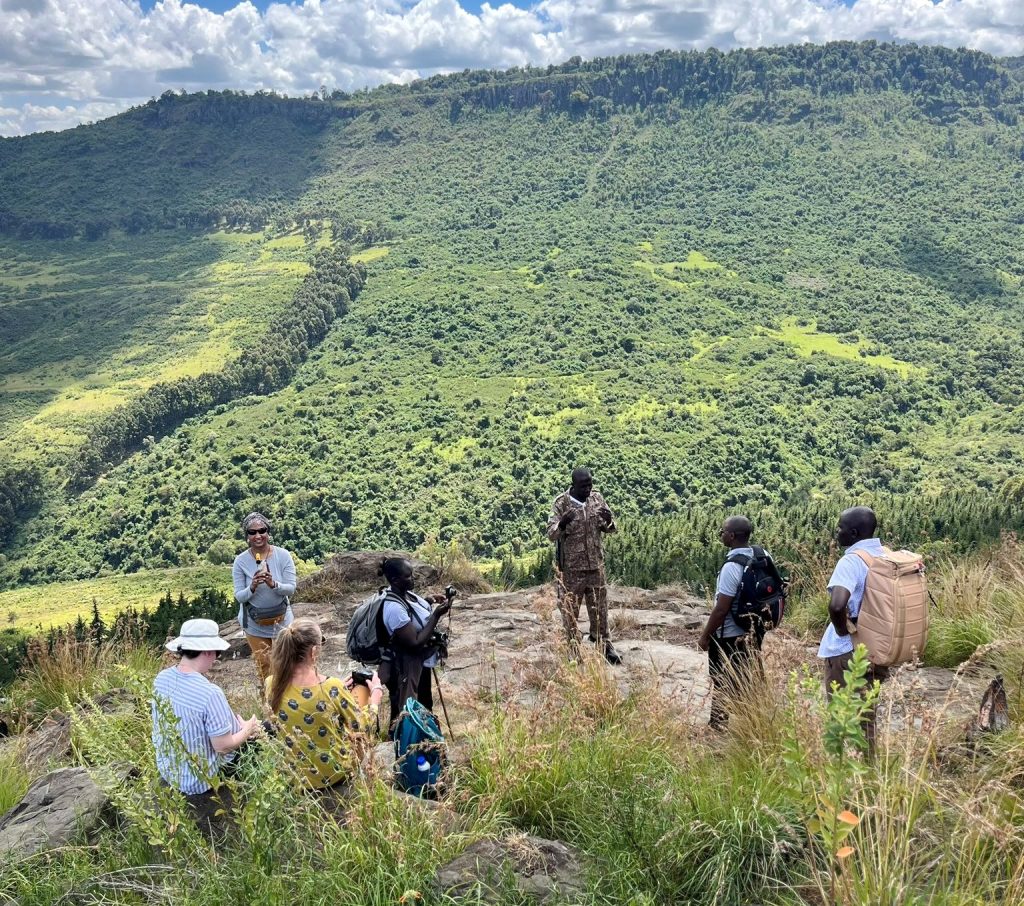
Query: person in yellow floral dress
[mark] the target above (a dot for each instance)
(319, 719)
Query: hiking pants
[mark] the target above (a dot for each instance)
(594, 593)
(260, 657)
(835, 669)
(406, 677)
(730, 662)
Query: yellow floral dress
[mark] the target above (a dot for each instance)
(321, 726)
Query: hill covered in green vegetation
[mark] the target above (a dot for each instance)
(782, 279)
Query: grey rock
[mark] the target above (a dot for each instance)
(356, 570)
(52, 740)
(55, 810)
(541, 869)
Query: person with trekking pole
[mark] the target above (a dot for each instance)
(410, 624)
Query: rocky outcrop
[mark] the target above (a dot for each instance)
(52, 740)
(546, 871)
(55, 810)
(357, 570)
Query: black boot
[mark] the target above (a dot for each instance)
(611, 655)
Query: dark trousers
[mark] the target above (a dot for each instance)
(212, 811)
(835, 670)
(729, 664)
(406, 677)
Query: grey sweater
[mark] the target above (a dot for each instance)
(282, 568)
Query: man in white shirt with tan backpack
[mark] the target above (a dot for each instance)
(894, 622)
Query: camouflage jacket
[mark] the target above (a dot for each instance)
(580, 547)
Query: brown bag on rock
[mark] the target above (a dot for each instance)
(893, 618)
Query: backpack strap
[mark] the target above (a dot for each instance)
(409, 609)
(868, 559)
(742, 559)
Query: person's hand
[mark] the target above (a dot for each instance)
(437, 599)
(257, 581)
(269, 580)
(252, 727)
(375, 685)
(567, 518)
(443, 606)
(605, 515)
(703, 643)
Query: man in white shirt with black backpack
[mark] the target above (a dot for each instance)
(731, 650)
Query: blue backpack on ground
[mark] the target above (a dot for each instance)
(419, 750)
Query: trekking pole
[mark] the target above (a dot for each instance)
(444, 707)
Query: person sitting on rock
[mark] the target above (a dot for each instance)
(410, 623)
(320, 720)
(264, 580)
(195, 732)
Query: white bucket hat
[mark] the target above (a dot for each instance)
(198, 635)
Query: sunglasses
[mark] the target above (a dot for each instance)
(257, 531)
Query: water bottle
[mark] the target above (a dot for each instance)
(422, 765)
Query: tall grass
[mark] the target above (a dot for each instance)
(71, 670)
(14, 777)
(977, 600)
(787, 807)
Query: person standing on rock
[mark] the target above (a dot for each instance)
(578, 522)
(195, 732)
(264, 580)
(731, 650)
(857, 533)
(412, 648)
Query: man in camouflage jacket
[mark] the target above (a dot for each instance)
(579, 518)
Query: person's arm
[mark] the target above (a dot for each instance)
(229, 742)
(608, 525)
(407, 635)
(837, 609)
(723, 604)
(555, 523)
(220, 719)
(285, 586)
(242, 590)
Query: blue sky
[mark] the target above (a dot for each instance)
(64, 62)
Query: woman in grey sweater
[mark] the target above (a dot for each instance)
(264, 580)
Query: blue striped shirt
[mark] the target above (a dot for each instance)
(185, 757)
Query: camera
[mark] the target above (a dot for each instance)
(450, 592)
(439, 642)
(361, 677)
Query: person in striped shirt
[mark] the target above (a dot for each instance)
(195, 732)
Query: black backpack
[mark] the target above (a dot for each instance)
(367, 639)
(760, 603)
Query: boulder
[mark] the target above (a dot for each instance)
(544, 870)
(55, 810)
(52, 740)
(357, 570)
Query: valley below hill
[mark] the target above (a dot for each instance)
(778, 280)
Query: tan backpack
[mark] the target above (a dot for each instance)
(893, 618)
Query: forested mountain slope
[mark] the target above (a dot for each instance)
(760, 277)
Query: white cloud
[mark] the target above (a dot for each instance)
(69, 61)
